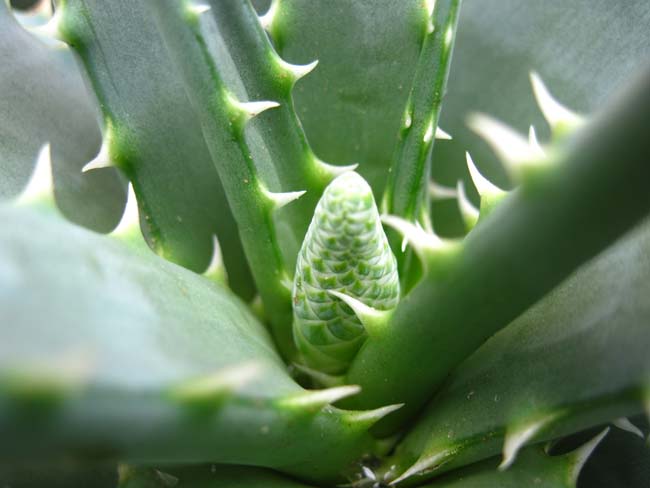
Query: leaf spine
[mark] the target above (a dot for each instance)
(468, 211)
(40, 186)
(484, 187)
(556, 114)
(518, 436)
(314, 400)
(515, 151)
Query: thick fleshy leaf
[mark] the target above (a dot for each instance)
(576, 359)
(209, 476)
(113, 353)
(43, 99)
(584, 52)
(352, 104)
(152, 132)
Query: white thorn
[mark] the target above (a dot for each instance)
(373, 416)
(369, 473)
(582, 454)
(449, 36)
(533, 141)
(251, 109)
(130, 220)
(216, 270)
(516, 438)
(52, 28)
(408, 119)
(554, 112)
(298, 70)
(424, 464)
(421, 241)
(217, 384)
(429, 5)
(441, 134)
(283, 198)
(483, 186)
(624, 423)
(469, 212)
(371, 318)
(267, 19)
(511, 147)
(428, 135)
(441, 192)
(317, 399)
(40, 184)
(102, 160)
(198, 8)
(333, 170)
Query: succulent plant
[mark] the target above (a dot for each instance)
(191, 296)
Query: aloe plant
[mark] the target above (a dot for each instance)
(238, 249)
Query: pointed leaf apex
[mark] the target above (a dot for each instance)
(510, 146)
(373, 320)
(484, 187)
(441, 192)
(216, 270)
(519, 436)
(582, 454)
(441, 134)
(624, 423)
(468, 211)
(314, 400)
(40, 186)
(279, 200)
(556, 114)
(215, 386)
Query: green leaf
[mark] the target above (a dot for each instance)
(571, 205)
(44, 100)
(576, 359)
(584, 52)
(211, 476)
(111, 353)
(65, 475)
(352, 104)
(153, 134)
(533, 468)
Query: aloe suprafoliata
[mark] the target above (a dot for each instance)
(346, 277)
(469, 348)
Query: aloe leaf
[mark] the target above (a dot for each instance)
(44, 100)
(263, 75)
(620, 461)
(351, 105)
(500, 42)
(117, 354)
(507, 263)
(152, 133)
(576, 359)
(209, 476)
(66, 475)
(534, 468)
